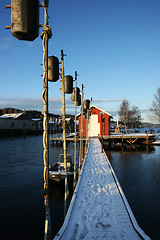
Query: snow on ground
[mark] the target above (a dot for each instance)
(157, 142)
(97, 210)
(133, 134)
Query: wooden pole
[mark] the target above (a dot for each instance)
(75, 142)
(81, 134)
(64, 135)
(45, 36)
(87, 131)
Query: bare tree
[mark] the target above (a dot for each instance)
(131, 118)
(124, 113)
(135, 118)
(155, 107)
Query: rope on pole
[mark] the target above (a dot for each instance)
(81, 135)
(64, 134)
(75, 142)
(47, 33)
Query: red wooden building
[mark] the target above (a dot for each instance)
(99, 123)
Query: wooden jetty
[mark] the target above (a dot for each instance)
(99, 209)
(130, 138)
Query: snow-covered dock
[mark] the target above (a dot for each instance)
(157, 140)
(129, 138)
(99, 209)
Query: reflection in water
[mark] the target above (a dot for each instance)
(56, 202)
(56, 191)
(129, 148)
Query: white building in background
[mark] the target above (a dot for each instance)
(17, 121)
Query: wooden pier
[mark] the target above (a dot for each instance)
(131, 138)
(99, 209)
(136, 138)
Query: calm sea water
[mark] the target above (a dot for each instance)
(21, 187)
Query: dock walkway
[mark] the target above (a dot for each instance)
(129, 138)
(99, 209)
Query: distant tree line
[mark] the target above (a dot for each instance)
(29, 114)
(130, 117)
(9, 110)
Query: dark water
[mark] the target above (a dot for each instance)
(21, 187)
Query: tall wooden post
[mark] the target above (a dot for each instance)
(45, 36)
(81, 134)
(64, 134)
(75, 141)
(87, 131)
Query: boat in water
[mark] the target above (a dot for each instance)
(56, 170)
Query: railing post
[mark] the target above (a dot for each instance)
(81, 134)
(87, 131)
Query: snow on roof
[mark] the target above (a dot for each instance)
(93, 106)
(36, 119)
(101, 110)
(68, 119)
(11, 115)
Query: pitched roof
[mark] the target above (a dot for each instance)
(93, 106)
(11, 115)
(101, 110)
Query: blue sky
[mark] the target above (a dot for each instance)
(114, 45)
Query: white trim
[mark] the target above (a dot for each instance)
(101, 110)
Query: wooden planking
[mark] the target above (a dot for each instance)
(129, 138)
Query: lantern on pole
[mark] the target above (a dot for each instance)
(24, 19)
(86, 104)
(68, 84)
(53, 69)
